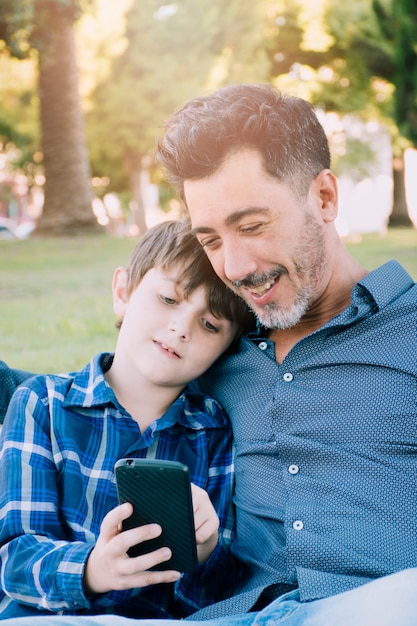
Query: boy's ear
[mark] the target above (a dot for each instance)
(119, 287)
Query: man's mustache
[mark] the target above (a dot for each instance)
(255, 280)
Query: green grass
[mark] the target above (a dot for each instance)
(372, 250)
(55, 300)
(55, 294)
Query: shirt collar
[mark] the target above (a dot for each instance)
(384, 284)
(193, 410)
(373, 293)
(90, 389)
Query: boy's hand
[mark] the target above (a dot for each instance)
(109, 567)
(206, 523)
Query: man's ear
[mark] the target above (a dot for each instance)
(328, 193)
(119, 288)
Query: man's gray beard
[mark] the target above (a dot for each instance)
(277, 318)
(310, 262)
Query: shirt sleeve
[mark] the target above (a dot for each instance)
(214, 580)
(39, 566)
(43, 555)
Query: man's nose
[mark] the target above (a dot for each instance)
(237, 262)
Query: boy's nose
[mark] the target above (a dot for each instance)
(181, 327)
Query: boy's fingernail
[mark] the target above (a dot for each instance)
(155, 529)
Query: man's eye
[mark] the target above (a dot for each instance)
(209, 326)
(167, 300)
(209, 242)
(251, 228)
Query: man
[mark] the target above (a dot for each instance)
(323, 396)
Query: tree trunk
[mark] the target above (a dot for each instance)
(399, 215)
(68, 195)
(133, 163)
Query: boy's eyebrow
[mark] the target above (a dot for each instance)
(172, 279)
(177, 282)
(233, 218)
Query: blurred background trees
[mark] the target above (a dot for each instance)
(170, 53)
(126, 66)
(44, 31)
(380, 44)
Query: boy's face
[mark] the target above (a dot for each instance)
(167, 338)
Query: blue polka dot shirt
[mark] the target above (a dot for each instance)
(326, 447)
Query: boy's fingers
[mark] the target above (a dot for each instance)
(145, 562)
(131, 537)
(136, 571)
(112, 522)
(206, 530)
(206, 520)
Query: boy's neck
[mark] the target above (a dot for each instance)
(144, 400)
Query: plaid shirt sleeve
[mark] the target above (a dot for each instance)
(39, 567)
(56, 485)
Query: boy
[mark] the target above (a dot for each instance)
(62, 549)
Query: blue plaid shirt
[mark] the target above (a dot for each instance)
(61, 438)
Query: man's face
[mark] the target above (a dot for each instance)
(263, 242)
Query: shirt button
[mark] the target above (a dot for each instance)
(263, 345)
(288, 377)
(293, 469)
(298, 525)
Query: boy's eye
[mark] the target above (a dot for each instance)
(167, 299)
(210, 327)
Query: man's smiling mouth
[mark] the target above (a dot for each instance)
(261, 289)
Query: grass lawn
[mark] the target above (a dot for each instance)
(55, 294)
(55, 300)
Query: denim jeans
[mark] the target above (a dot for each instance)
(387, 601)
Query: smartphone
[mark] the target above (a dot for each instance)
(160, 492)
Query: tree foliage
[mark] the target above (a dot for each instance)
(380, 44)
(173, 52)
(367, 68)
(285, 39)
(16, 22)
(398, 28)
(19, 110)
(360, 58)
(24, 24)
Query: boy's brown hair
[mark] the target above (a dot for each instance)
(171, 243)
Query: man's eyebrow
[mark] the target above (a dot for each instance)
(201, 229)
(233, 218)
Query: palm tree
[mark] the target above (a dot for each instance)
(46, 26)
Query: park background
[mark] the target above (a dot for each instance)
(85, 86)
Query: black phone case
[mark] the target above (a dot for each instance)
(160, 492)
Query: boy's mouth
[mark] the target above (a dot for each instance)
(167, 348)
